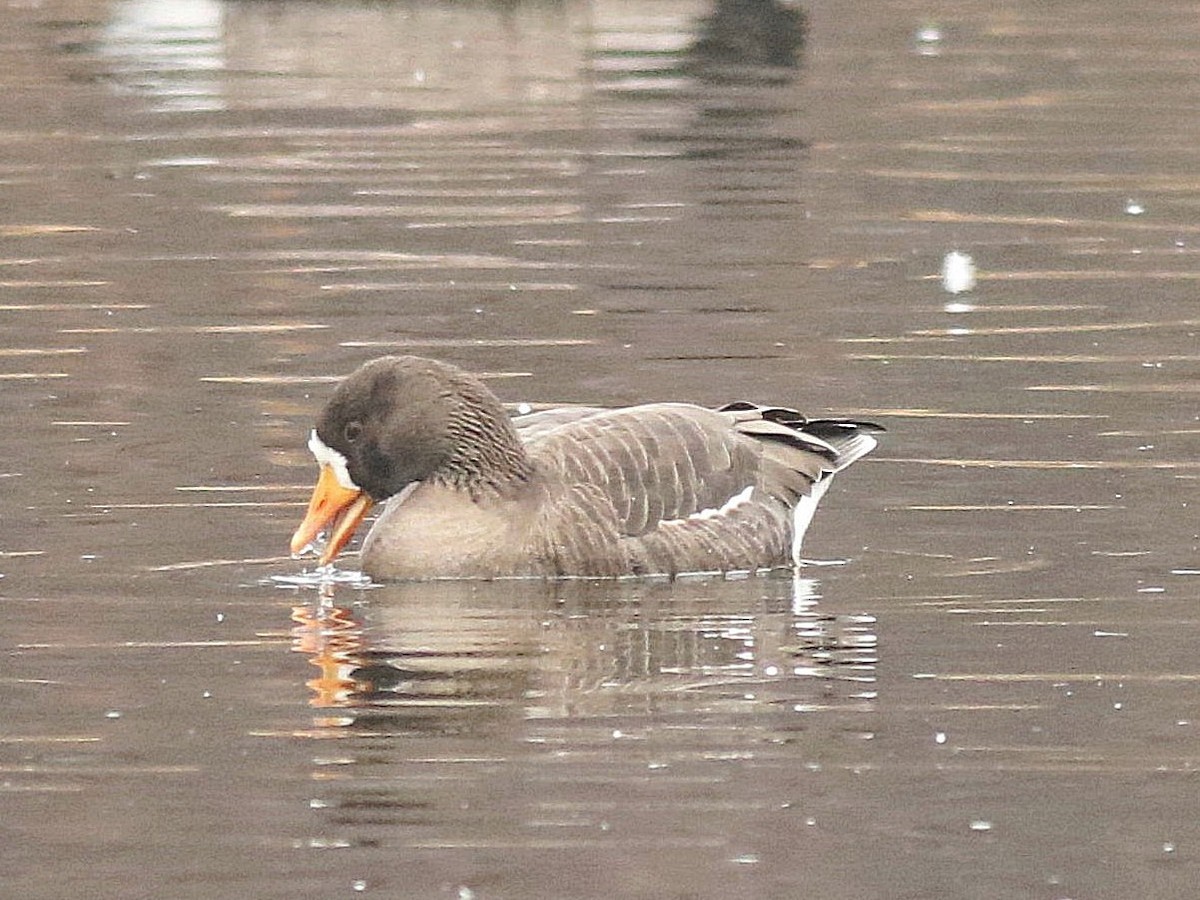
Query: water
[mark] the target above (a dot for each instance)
(211, 211)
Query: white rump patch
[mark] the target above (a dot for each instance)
(327, 456)
(802, 515)
(727, 507)
(858, 446)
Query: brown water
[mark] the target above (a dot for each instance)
(209, 211)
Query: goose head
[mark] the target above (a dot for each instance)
(398, 422)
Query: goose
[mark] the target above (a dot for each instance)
(469, 491)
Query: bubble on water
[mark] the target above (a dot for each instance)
(958, 272)
(928, 39)
(327, 844)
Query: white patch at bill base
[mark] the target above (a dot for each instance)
(327, 456)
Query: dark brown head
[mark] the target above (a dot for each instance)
(400, 420)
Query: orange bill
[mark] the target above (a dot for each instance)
(331, 507)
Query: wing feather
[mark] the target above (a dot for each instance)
(661, 480)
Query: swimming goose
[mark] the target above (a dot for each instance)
(471, 492)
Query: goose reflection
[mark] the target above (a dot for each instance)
(449, 656)
(478, 714)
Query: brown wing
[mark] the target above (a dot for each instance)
(654, 463)
(683, 488)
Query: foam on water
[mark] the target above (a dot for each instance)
(321, 576)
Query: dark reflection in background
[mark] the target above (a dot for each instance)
(748, 34)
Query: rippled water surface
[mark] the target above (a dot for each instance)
(210, 211)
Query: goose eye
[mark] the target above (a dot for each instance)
(352, 432)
